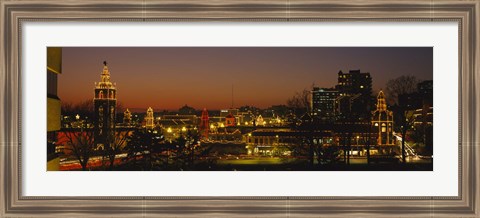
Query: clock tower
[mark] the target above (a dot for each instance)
(105, 102)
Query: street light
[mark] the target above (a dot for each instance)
(358, 148)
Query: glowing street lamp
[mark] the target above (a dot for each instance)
(358, 148)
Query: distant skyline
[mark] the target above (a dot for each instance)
(202, 77)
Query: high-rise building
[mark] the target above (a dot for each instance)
(149, 119)
(420, 99)
(382, 122)
(105, 103)
(356, 89)
(54, 68)
(323, 103)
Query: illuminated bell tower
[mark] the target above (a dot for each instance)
(149, 119)
(105, 102)
(382, 121)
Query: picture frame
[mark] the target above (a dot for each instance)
(15, 13)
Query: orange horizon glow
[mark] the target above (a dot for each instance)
(167, 78)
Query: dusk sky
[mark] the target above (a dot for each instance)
(202, 77)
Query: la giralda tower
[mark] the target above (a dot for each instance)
(105, 102)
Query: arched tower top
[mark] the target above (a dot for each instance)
(105, 78)
(381, 102)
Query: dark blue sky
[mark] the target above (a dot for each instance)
(170, 77)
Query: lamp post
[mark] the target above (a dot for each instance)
(358, 148)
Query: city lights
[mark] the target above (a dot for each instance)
(347, 120)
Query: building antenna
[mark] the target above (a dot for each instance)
(232, 96)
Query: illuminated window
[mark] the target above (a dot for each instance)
(361, 87)
(376, 124)
(384, 129)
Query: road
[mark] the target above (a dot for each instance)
(410, 152)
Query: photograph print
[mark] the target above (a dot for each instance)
(239, 109)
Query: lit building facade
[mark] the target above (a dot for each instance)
(323, 103)
(149, 121)
(382, 122)
(105, 103)
(259, 121)
(230, 120)
(280, 141)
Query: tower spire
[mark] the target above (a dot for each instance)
(381, 103)
(105, 77)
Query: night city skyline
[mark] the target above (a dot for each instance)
(249, 109)
(202, 77)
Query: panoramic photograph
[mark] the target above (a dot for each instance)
(239, 109)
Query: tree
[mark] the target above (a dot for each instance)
(114, 146)
(327, 154)
(84, 109)
(305, 144)
(187, 149)
(403, 118)
(300, 102)
(310, 143)
(400, 86)
(141, 145)
(80, 142)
